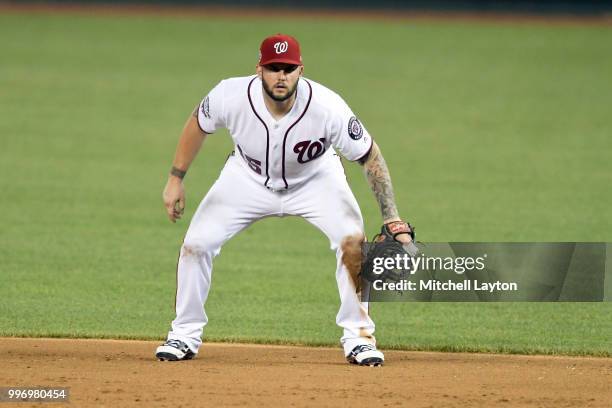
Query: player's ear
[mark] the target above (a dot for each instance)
(301, 70)
(258, 70)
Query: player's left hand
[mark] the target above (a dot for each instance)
(404, 238)
(398, 230)
(401, 232)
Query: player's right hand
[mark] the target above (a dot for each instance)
(174, 198)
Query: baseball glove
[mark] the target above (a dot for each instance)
(358, 256)
(386, 245)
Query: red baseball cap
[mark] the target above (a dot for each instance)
(280, 48)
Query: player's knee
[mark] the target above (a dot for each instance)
(199, 248)
(192, 249)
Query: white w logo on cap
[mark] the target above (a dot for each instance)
(281, 47)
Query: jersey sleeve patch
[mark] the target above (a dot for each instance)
(206, 107)
(355, 130)
(210, 111)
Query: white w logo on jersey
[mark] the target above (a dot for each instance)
(281, 47)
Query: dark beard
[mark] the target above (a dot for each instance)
(279, 98)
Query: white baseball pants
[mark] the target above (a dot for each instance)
(235, 201)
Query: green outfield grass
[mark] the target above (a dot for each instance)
(492, 133)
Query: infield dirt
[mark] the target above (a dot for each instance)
(125, 373)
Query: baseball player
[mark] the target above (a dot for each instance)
(287, 131)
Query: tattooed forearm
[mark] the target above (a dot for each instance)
(377, 173)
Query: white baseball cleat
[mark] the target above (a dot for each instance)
(174, 350)
(366, 355)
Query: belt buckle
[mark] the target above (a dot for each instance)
(277, 190)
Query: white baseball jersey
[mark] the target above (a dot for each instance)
(285, 153)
